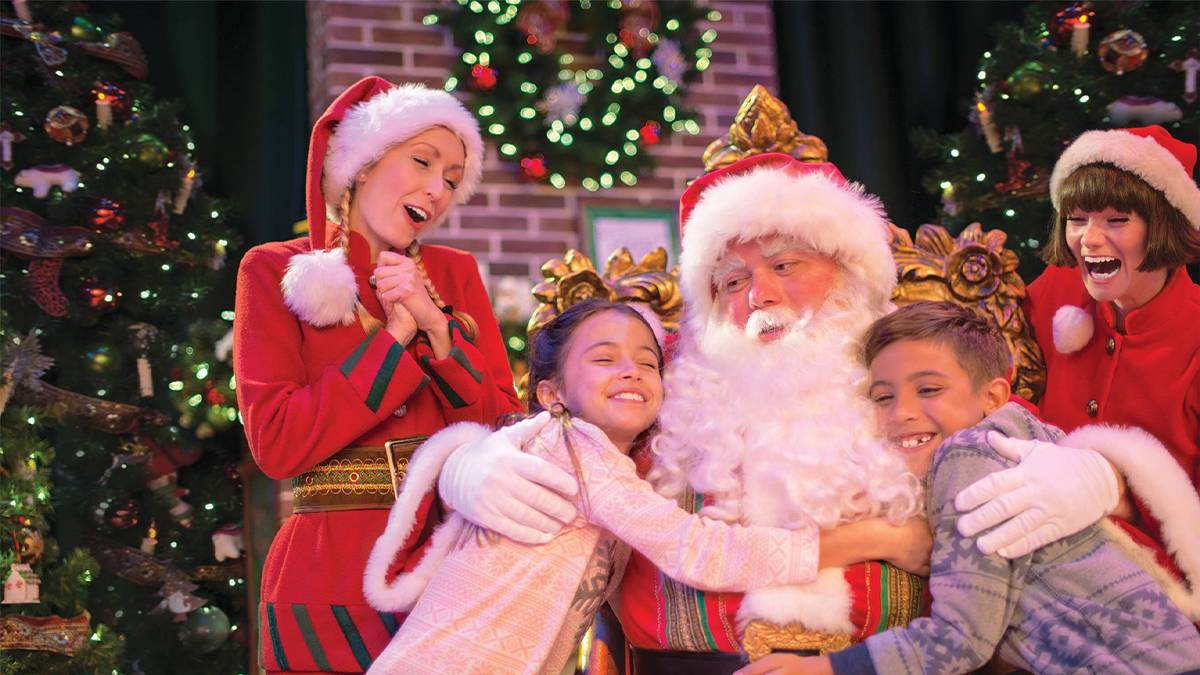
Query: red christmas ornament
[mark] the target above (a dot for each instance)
(482, 77)
(534, 167)
(44, 288)
(639, 18)
(650, 133)
(542, 22)
(158, 232)
(212, 394)
(66, 125)
(99, 295)
(107, 214)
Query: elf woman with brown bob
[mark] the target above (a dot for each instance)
(352, 346)
(1118, 320)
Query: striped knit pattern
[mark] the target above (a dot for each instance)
(337, 638)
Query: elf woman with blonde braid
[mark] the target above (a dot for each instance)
(354, 345)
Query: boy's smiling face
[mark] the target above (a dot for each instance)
(923, 395)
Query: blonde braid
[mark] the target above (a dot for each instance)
(469, 328)
(341, 239)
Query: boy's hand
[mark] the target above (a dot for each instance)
(1053, 493)
(788, 664)
(913, 546)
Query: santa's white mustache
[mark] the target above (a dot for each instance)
(773, 318)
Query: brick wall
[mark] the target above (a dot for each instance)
(513, 226)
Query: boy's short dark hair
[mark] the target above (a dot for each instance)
(1170, 239)
(978, 346)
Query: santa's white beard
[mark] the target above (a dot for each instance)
(779, 433)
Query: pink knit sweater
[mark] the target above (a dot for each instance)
(485, 604)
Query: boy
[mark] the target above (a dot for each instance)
(938, 381)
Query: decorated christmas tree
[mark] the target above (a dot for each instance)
(1064, 70)
(120, 499)
(574, 93)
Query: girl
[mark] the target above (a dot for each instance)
(490, 605)
(345, 342)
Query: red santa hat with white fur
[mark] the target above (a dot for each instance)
(357, 129)
(1151, 153)
(774, 194)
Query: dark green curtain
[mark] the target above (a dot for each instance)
(862, 75)
(240, 71)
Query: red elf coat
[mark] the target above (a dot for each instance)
(307, 392)
(1148, 376)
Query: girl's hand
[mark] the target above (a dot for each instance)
(788, 664)
(397, 280)
(910, 545)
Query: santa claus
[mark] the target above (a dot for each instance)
(784, 266)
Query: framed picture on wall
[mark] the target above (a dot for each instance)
(640, 230)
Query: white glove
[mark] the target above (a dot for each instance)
(1054, 492)
(491, 483)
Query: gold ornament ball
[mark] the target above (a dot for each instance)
(30, 544)
(151, 151)
(1026, 81)
(66, 125)
(1122, 51)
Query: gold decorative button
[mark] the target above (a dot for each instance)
(1092, 408)
(1111, 345)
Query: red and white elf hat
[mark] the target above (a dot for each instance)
(1150, 153)
(363, 123)
(358, 128)
(775, 194)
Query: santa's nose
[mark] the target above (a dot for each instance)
(764, 292)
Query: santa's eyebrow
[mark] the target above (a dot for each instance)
(726, 265)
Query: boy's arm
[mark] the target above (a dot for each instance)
(974, 595)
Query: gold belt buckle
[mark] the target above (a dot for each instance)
(397, 460)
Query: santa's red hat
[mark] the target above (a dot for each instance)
(361, 125)
(1150, 153)
(774, 194)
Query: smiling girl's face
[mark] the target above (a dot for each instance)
(409, 188)
(609, 376)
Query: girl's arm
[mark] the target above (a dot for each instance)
(700, 552)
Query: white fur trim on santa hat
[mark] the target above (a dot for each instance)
(1139, 155)
(1157, 479)
(823, 605)
(841, 221)
(370, 128)
(319, 287)
(422, 476)
(1073, 328)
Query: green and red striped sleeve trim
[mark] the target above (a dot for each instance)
(457, 379)
(381, 373)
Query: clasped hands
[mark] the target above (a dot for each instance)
(406, 302)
